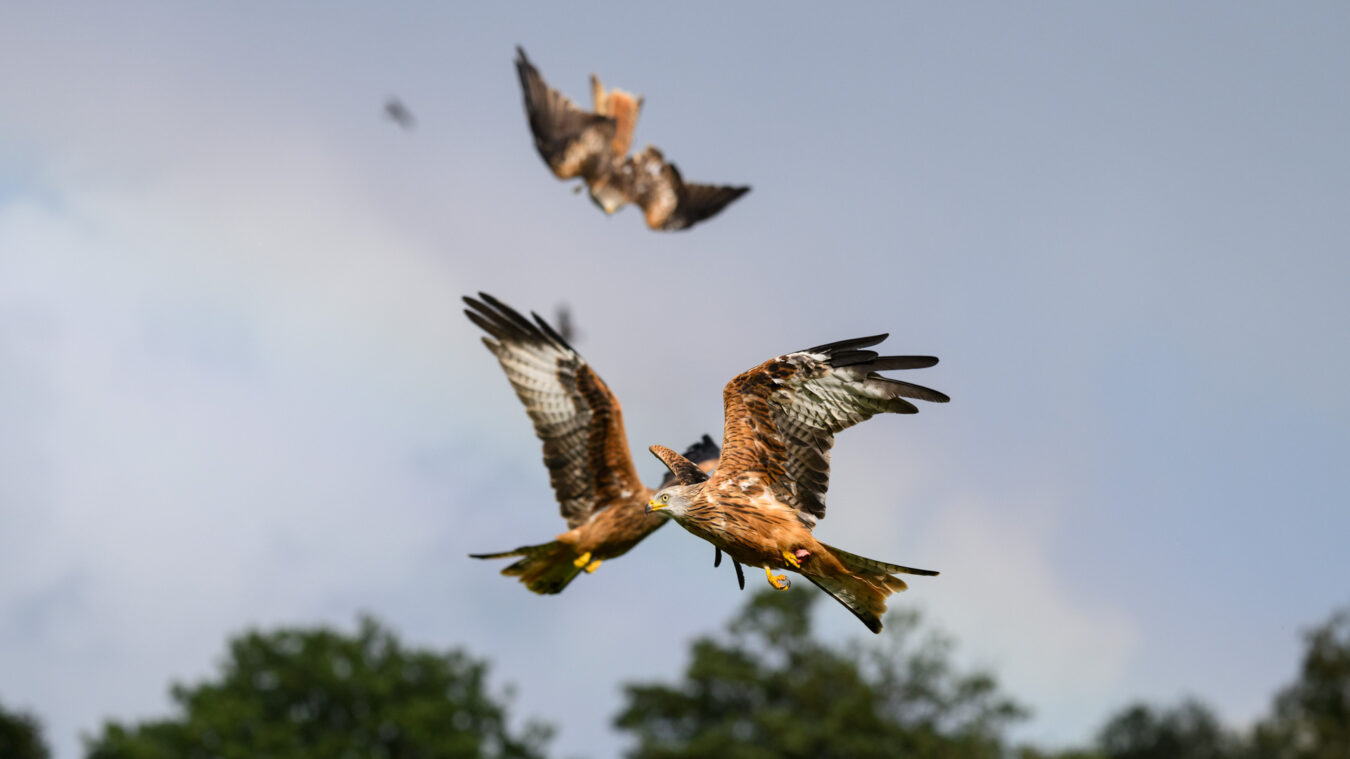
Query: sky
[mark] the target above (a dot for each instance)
(236, 388)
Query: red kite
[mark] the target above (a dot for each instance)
(594, 145)
(768, 489)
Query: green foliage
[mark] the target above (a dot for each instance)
(21, 736)
(1030, 752)
(1189, 731)
(1311, 718)
(301, 693)
(769, 690)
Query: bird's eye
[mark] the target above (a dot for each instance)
(665, 498)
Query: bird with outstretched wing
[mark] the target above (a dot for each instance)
(767, 491)
(593, 145)
(586, 450)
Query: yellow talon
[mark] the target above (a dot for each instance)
(779, 582)
(582, 560)
(594, 565)
(790, 558)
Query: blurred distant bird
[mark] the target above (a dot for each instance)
(399, 113)
(768, 489)
(593, 145)
(585, 449)
(565, 326)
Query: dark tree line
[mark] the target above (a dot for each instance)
(21, 736)
(766, 688)
(1309, 719)
(771, 690)
(318, 694)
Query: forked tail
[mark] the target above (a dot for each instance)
(546, 568)
(864, 591)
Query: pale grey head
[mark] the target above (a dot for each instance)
(673, 501)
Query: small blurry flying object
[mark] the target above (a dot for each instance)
(399, 113)
(768, 489)
(565, 326)
(593, 145)
(585, 449)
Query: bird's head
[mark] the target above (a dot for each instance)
(672, 501)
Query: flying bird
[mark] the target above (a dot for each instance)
(762, 500)
(399, 113)
(585, 449)
(593, 145)
(563, 314)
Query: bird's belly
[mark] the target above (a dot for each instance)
(754, 537)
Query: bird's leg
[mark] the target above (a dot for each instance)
(791, 559)
(594, 565)
(582, 560)
(779, 582)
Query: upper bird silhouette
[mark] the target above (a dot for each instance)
(594, 145)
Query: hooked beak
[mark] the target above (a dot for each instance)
(652, 505)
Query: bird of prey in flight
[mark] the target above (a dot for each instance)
(768, 488)
(399, 113)
(585, 449)
(593, 145)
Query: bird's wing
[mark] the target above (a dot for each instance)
(574, 412)
(702, 454)
(572, 141)
(682, 470)
(667, 201)
(702, 201)
(781, 416)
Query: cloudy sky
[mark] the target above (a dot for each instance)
(236, 389)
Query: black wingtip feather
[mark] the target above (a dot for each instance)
(911, 390)
(494, 321)
(887, 363)
(506, 324)
(551, 332)
(841, 359)
(847, 345)
(486, 325)
(506, 310)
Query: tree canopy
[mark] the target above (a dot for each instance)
(21, 736)
(766, 687)
(1187, 731)
(769, 689)
(301, 693)
(1311, 717)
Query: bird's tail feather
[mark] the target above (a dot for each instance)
(854, 561)
(545, 568)
(865, 590)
